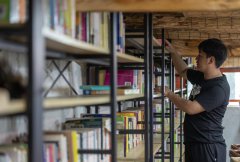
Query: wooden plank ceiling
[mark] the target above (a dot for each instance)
(187, 29)
(157, 5)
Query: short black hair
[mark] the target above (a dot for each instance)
(216, 48)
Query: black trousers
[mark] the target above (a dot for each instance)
(202, 152)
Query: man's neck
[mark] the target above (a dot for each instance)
(212, 73)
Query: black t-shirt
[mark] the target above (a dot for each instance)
(213, 96)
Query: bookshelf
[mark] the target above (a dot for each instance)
(62, 43)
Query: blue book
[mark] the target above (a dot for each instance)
(94, 87)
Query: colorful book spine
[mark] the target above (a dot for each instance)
(94, 87)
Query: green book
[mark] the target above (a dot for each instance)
(94, 87)
(4, 11)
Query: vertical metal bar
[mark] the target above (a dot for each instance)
(36, 62)
(163, 90)
(88, 74)
(172, 112)
(150, 87)
(97, 82)
(146, 87)
(113, 70)
(119, 106)
(134, 103)
(88, 108)
(181, 126)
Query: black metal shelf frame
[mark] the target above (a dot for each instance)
(36, 61)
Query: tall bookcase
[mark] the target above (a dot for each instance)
(38, 44)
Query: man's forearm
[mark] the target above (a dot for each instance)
(178, 63)
(180, 103)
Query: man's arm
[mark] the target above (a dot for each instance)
(189, 107)
(180, 66)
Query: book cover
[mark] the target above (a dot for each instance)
(124, 78)
(4, 11)
(94, 87)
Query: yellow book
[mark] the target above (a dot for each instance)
(101, 76)
(75, 146)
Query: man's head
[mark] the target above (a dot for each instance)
(214, 48)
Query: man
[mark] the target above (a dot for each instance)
(207, 104)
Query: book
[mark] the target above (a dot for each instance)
(94, 87)
(88, 122)
(4, 11)
(124, 78)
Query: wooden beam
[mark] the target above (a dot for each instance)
(157, 5)
(193, 34)
(190, 47)
(202, 24)
(235, 13)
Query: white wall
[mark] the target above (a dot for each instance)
(231, 123)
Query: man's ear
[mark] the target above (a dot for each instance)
(211, 60)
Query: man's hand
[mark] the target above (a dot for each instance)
(159, 90)
(169, 47)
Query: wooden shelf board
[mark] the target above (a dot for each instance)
(19, 106)
(125, 58)
(64, 43)
(84, 100)
(156, 5)
(137, 154)
(13, 107)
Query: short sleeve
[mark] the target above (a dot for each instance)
(194, 76)
(211, 98)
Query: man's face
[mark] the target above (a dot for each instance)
(202, 61)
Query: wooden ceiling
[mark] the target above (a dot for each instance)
(157, 5)
(186, 22)
(187, 29)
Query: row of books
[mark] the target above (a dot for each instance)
(60, 16)
(12, 11)
(97, 90)
(91, 27)
(64, 145)
(128, 119)
(13, 153)
(130, 80)
(63, 17)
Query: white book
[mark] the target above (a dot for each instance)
(62, 142)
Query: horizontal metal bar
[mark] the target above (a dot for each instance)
(134, 36)
(13, 29)
(168, 153)
(87, 56)
(87, 151)
(142, 122)
(13, 115)
(130, 131)
(161, 114)
(134, 30)
(12, 46)
(159, 157)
